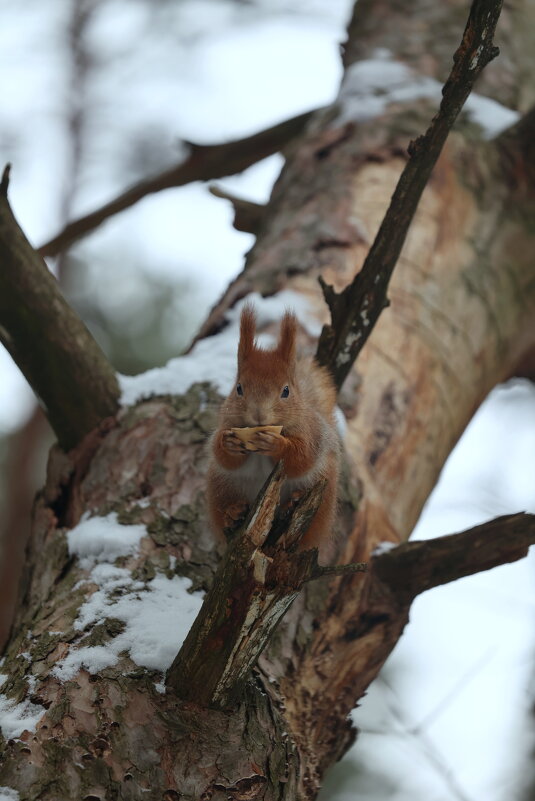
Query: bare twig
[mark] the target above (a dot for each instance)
(355, 310)
(203, 163)
(248, 216)
(55, 351)
(430, 751)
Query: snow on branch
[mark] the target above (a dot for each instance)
(58, 356)
(201, 163)
(355, 310)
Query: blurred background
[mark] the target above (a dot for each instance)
(97, 94)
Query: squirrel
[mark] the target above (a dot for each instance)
(275, 388)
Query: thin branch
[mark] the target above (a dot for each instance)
(248, 216)
(338, 570)
(203, 163)
(414, 567)
(429, 750)
(444, 703)
(356, 309)
(58, 356)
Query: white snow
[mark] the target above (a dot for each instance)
(157, 615)
(214, 359)
(157, 620)
(383, 547)
(8, 794)
(369, 86)
(103, 539)
(17, 718)
(341, 422)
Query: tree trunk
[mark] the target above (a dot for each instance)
(460, 320)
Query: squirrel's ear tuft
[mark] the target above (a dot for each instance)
(287, 338)
(247, 332)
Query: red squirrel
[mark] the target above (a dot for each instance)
(275, 388)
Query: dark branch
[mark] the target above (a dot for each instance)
(356, 309)
(517, 146)
(414, 567)
(248, 216)
(58, 356)
(4, 184)
(254, 586)
(203, 163)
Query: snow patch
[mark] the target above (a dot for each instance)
(341, 422)
(383, 547)
(157, 617)
(8, 794)
(370, 85)
(214, 359)
(17, 718)
(103, 539)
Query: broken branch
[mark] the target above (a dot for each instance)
(251, 591)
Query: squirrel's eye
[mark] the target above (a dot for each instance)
(285, 392)
(239, 389)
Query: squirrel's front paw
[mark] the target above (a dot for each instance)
(233, 515)
(268, 443)
(232, 444)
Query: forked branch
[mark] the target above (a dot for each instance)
(203, 163)
(356, 309)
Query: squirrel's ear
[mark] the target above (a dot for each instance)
(247, 332)
(287, 337)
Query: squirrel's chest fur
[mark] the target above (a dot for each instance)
(250, 477)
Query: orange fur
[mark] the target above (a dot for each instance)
(308, 444)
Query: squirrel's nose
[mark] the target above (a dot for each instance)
(258, 417)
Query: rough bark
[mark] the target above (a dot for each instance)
(460, 320)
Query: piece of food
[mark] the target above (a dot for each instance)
(247, 434)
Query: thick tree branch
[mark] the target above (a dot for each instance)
(413, 567)
(356, 309)
(259, 577)
(203, 163)
(55, 351)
